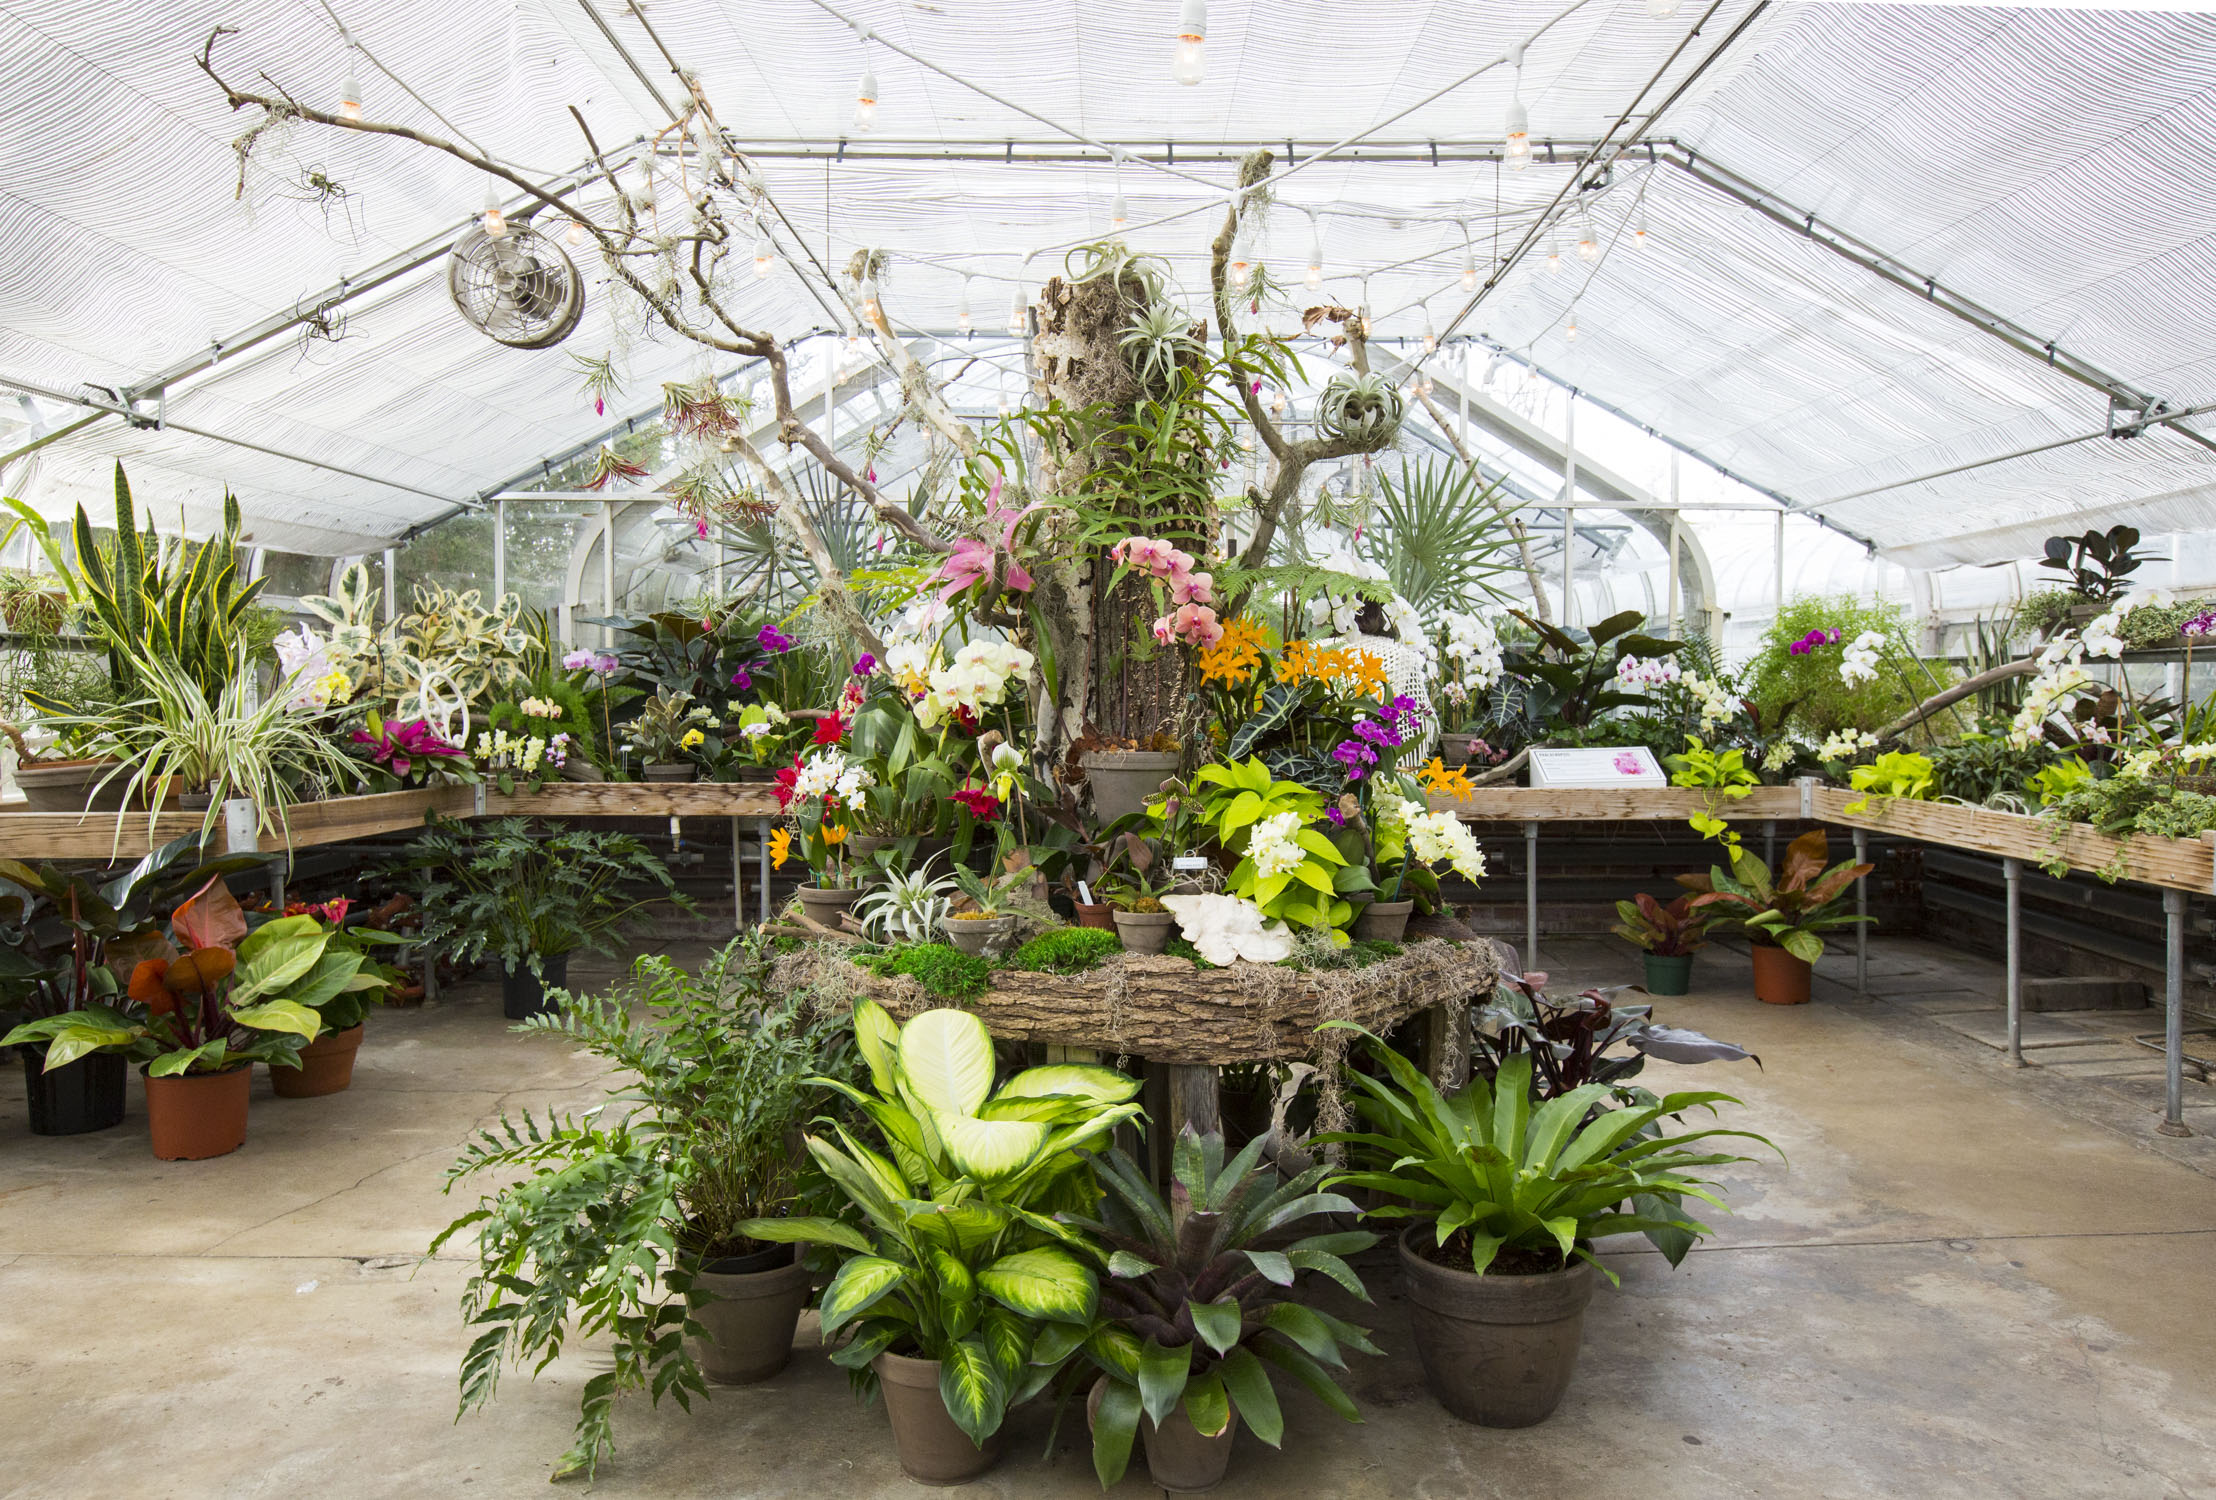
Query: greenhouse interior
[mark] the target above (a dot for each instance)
(828, 745)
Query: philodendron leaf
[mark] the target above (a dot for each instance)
(988, 1150)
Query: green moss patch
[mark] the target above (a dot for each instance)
(1065, 950)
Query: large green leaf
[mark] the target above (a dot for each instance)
(859, 1283)
(72, 1042)
(1249, 1385)
(807, 1231)
(1113, 1428)
(1217, 1323)
(971, 1387)
(280, 1015)
(946, 1056)
(277, 955)
(1043, 1282)
(1084, 1081)
(877, 1038)
(1207, 1405)
(1162, 1373)
(989, 1150)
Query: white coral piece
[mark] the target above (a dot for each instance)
(1222, 928)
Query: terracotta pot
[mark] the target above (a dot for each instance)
(932, 1449)
(1383, 921)
(1146, 931)
(326, 1066)
(827, 906)
(862, 847)
(523, 993)
(77, 1097)
(1101, 916)
(194, 1116)
(750, 1317)
(1496, 1350)
(683, 770)
(1668, 973)
(1122, 780)
(1779, 977)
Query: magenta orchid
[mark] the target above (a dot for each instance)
(977, 561)
(399, 746)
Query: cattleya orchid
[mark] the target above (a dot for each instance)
(976, 560)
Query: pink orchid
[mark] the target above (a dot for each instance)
(1192, 588)
(1192, 623)
(977, 561)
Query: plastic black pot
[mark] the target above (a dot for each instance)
(523, 993)
(76, 1098)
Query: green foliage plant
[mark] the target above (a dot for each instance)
(1439, 533)
(2098, 565)
(1896, 773)
(1791, 911)
(1804, 693)
(1198, 1296)
(953, 1251)
(1235, 798)
(1065, 950)
(1502, 1184)
(1665, 931)
(1721, 776)
(1567, 677)
(500, 887)
(606, 1224)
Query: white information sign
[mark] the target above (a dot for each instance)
(1598, 765)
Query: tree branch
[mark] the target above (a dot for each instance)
(1507, 515)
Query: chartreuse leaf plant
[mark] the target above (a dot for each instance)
(1721, 776)
(1286, 866)
(1897, 773)
(953, 1252)
(1499, 1182)
(1197, 1302)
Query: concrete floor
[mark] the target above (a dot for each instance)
(1969, 1281)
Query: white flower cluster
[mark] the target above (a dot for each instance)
(1711, 699)
(2057, 680)
(540, 708)
(502, 751)
(1334, 613)
(2102, 635)
(1441, 838)
(1272, 845)
(976, 680)
(1475, 644)
(2144, 763)
(1846, 744)
(1858, 663)
(1780, 755)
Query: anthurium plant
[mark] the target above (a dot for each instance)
(1791, 910)
(953, 1252)
(1198, 1298)
(210, 997)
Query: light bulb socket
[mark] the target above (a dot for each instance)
(1192, 21)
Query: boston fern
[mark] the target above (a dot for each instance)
(1199, 1295)
(608, 1223)
(953, 1253)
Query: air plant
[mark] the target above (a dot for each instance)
(1364, 409)
(608, 464)
(910, 907)
(1160, 341)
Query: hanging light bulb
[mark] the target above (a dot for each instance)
(1362, 313)
(1314, 277)
(1588, 248)
(1469, 270)
(872, 309)
(576, 233)
(1118, 214)
(961, 308)
(1240, 271)
(492, 221)
(865, 100)
(1662, 10)
(1518, 130)
(1430, 339)
(1639, 235)
(764, 261)
(1018, 319)
(1570, 332)
(1277, 403)
(350, 96)
(1190, 66)
(1554, 256)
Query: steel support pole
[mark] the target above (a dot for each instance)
(608, 572)
(1862, 909)
(1531, 896)
(1769, 844)
(2173, 1022)
(2012, 870)
(738, 879)
(499, 551)
(761, 866)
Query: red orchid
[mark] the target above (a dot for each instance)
(786, 776)
(982, 804)
(830, 730)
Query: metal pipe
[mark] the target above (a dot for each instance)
(761, 830)
(2173, 1021)
(499, 551)
(738, 879)
(2012, 871)
(1531, 896)
(608, 573)
(1861, 909)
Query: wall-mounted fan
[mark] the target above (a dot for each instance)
(521, 288)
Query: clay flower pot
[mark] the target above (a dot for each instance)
(1178, 1458)
(825, 907)
(1383, 921)
(1779, 977)
(1454, 749)
(933, 1450)
(67, 785)
(193, 1116)
(1122, 780)
(1146, 931)
(326, 1066)
(1100, 915)
(986, 935)
(753, 1306)
(1669, 973)
(1496, 1350)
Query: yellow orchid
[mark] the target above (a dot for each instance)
(780, 846)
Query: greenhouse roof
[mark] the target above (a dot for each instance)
(1907, 268)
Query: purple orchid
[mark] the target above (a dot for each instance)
(773, 640)
(1378, 734)
(743, 680)
(1356, 757)
(585, 659)
(865, 665)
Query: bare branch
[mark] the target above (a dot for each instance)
(1506, 513)
(834, 593)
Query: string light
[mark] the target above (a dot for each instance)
(1469, 270)
(1018, 320)
(492, 221)
(1570, 332)
(1430, 339)
(576, 233)
(961, 309)
(1662, 10)
(1588, 248)
(865, 100)
(764, 261)
(1240, 271)
(1554, 255)
(1189, 66)
(1314, 278)
(1518, 130)
(350, 96)
(872, 309)
(1639, 235)
(1363, 313)
(1118, 214)
(1277, 403)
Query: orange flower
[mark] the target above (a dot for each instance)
(780, 846)
(1437, 778)
(1301, 662)
(834, 833)
(1363, 669)
(1234, 657)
